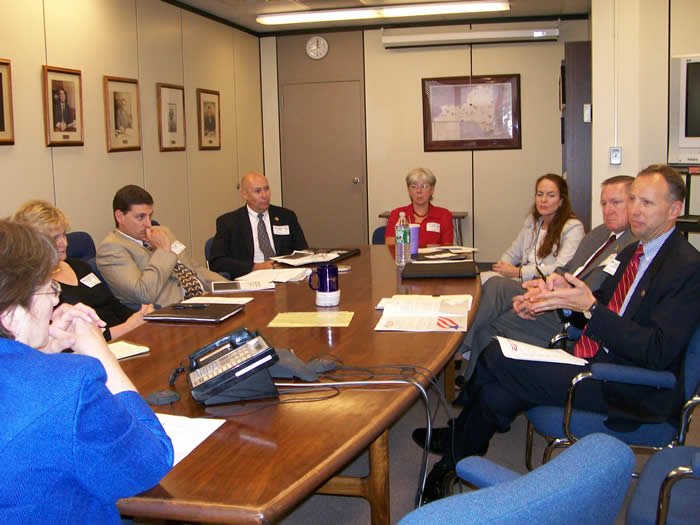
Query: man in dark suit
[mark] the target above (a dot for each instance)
(63, 114)
(655, 287)
(247, 237)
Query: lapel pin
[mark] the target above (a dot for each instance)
(277, 219)
(644, 292)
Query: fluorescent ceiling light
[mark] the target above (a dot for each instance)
(332, 15)
(468, 37)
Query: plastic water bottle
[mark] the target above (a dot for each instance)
(403, 241)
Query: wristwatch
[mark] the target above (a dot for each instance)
(589, 313)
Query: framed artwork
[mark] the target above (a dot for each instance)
(7, 124)
(208, 119)
(470, 113)
(171, 117)
(63, 106)
(122, 117)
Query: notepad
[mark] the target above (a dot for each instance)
(124, 349)
(321, 319)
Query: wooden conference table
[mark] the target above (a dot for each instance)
(266, 459)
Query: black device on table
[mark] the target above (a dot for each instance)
(232, 368)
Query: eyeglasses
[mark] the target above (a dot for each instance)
(423, 186)
(55, 290)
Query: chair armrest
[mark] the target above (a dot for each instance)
(483, 473)
(632, 375)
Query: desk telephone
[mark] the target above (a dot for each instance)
(232, 368)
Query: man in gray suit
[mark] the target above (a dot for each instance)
(501, 308)
(146, 264)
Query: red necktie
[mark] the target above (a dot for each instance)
(610, 240)
(586, 347)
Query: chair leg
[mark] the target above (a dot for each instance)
(528, 445)
(554, 444)
(665, 491)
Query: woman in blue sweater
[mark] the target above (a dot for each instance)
(75, 435)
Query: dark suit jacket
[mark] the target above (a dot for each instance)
(655, 329)
(232, 249)
(68, 113)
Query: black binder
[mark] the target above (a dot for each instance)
(440, 270)
(195, 312)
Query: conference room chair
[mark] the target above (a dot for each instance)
(80, 246)
(207, 252)
(378, 235)
(584, 484)
(562, 425)
(668, 490)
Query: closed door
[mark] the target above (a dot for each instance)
(323, 161)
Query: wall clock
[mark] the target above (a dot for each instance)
(316, 47)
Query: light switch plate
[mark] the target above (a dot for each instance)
(615, 155)
(587, 116)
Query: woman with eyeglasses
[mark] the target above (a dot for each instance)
(435, 222)
(78, 282)
(76, 435)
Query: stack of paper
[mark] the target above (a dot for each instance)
(425, 313)
(124, 349)
(277, 276)
(444, 254)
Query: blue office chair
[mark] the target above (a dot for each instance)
(378, 235)
(561, 425)
(584, 484)
(80, 246)
(668, 490)
(207, 253)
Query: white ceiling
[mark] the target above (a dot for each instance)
(243, 12)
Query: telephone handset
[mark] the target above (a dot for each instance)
(216, 369)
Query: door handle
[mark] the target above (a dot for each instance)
(356, 180)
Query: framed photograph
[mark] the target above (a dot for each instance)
(171, 117)
(7, 124)
(208, 119)
(468, 113)
(122, 117)
(63, 106)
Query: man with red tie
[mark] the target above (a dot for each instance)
(643, 315)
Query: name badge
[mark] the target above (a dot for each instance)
(280, 230)
(177, 247)
(90, 280)
(433, 227)
(611, 266)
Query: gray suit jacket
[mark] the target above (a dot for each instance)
(594, 274)
(495, 315)
(137, 276)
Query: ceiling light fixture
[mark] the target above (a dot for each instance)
(334, 15)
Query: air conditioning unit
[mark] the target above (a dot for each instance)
(468, 37)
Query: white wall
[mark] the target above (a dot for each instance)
(153, 42)
(630, 76)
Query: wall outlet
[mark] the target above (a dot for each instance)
(615, 155)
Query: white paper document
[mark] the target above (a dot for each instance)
(124, 349)
(444, 254)
(425, 313)
(187, 433)
(218, 300)
(302, 257)
(277, 276)
(525, 352)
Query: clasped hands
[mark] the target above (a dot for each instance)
(556, 292)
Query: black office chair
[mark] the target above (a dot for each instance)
(207, 253)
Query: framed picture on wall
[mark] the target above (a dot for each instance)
(208, 119)
(471, 113)
(63, 106)
(7, 124)
(122, 116)
(171, 117)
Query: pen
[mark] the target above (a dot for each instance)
(540, 272)
(189, 306)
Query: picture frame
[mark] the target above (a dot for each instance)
(471, 113)
(208, 119)
(7, 123)
(171, 117)
(122, 114)
(63, 106)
